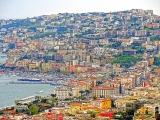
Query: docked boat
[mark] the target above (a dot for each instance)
(29, 80)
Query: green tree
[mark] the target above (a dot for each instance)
(43, 100)
(54, 100)
(64, 72)
(81, 91)
(157, 61)
(43, 35)
(112, 75)
(16, 102)
(87, 92)
(135, 44)
(155, 38)
(33, 109)
(93, 115)
(70, 95)
(116, 44)
(58, 70)
(38, 68)
(112, 103)
(53, 95)
(94, 97)
(140, 50)
(125, 60)
(130, 111)
(38, 97)
(99, 82)
(52, 50)
(101, 96)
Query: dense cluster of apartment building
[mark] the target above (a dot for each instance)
(87, 46)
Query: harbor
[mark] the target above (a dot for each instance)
(42, 79)
(12, 88)
(11, 92)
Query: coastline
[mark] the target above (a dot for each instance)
(11, 92)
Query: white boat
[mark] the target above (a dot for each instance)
(40, 92)
(14, 75)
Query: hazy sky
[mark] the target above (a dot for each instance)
(12, 9)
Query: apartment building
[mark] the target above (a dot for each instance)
(22, 63)
(105, 91)
(63, 92)
(102, 103)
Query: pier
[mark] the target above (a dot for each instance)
(27, 98)
(54, 84)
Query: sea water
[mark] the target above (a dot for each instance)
(11, 92)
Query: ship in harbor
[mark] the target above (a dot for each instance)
(29, 80)
(41, 79)
(35, 81)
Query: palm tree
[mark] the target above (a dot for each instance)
(16, 102)
(94, 97)
(99, 82)
(37, 97)
(112, 76)
(53, 95)
(81, 91)
(87, 92)
(70, 94)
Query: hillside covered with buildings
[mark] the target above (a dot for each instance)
(115, 58)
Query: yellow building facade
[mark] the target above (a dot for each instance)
(102, 103)
(47, 67)
(22, 63)
(34, 65)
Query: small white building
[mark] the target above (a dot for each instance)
(62, 92)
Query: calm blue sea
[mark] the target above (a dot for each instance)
(11, 92)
